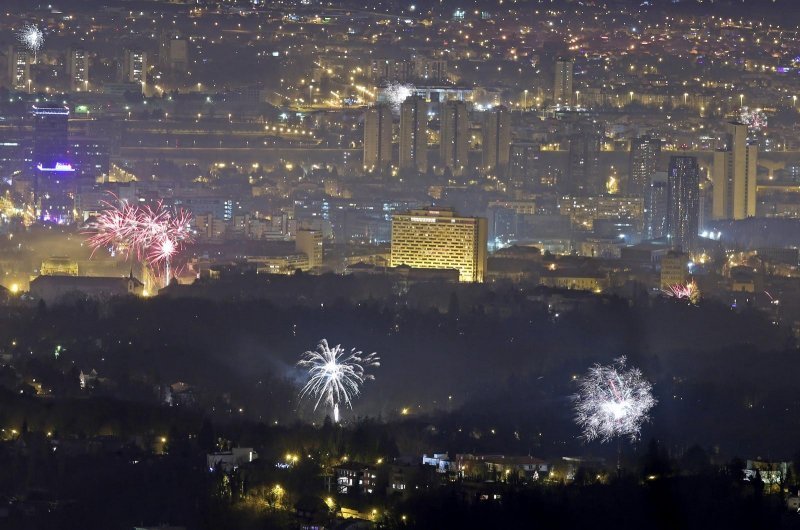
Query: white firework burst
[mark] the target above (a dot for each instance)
(335, 375)
(613, 401)
(397, 93)
(31, 37)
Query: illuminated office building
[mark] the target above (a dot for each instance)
(53, 172)
(438, 239)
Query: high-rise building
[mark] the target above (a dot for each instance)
(309, 242)
(644, 159)
(134, 66)
(524, 164)
(53, 172)
(19, 68)
(173, 53)
(414, 135)
(430, 70)
(89, 158)
(454, 138)
(562, 88)
(378, 137)
(438, 239)
(655, 207)
(496, 140)
(734, 175)
(683, 201)
(583, 166)
(78, 70)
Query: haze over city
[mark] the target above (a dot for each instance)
(399, 264)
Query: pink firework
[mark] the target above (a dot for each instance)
(155, 235)
(114, 228)
(683, 291)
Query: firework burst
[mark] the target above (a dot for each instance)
(755, 119)
(31, 37)
(683, 291)
(154, 235)
(613, 401)
(335, 375)
(396, 93)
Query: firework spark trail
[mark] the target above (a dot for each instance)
(687, 291)
(335, 376)
(613, 401)
(32, 38)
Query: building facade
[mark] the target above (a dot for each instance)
(496, 141)
(377, 138)
(734, 175)
(438, 239)
(645, 151)
(454, 140)
(683, 201)
(414, 135)
(562, 87)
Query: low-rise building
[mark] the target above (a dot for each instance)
(354, 477)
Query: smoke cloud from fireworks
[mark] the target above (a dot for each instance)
(613, 401)
(335, 376)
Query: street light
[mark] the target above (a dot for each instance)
(741, 100)
(525, 104)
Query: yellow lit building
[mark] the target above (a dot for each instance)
(438, 239)
(674, 269)
(59, 266)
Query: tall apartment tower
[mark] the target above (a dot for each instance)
(19, 68)
(309, 242)
(683, 201)
(78, 69)
(562, 87)
(414, 135)
(645, 151)
(454, 139)
(734, 175)
(655, 206)
(496, 140)
(134, 66)
(378, 137)
(439, 239)
(583, 165)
